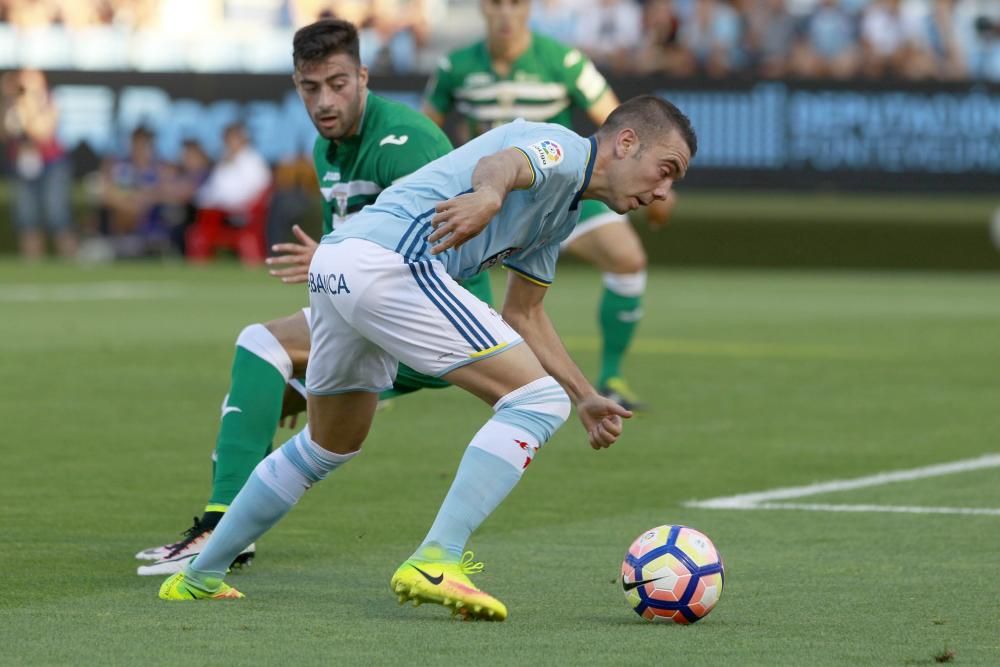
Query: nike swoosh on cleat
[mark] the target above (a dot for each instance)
(434, 580)
(635, 584)
(228, 409)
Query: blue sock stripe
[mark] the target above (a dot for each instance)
(319, 466)
(419, 269)
(539, 424)
(553, 395)
(291, 452)
(458, 302)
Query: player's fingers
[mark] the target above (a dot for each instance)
(442, 246)
(285, 259)
(293, 421)
(289, 248)
(615, 409)
(302, 236)
(593, 439)
(440, 208)
(439, 233)
(295, 279)
(288, 271)
(608, 436)
(612, 425)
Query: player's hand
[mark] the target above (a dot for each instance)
(659, 212)
(293, 404)
(297, 255)
(602, 419)
(462, 218)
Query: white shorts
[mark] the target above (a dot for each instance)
(369, 310)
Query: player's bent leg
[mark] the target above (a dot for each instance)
(267, 356)
(529, 407)
(275, 487)
(616, 250)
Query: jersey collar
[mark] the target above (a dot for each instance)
(587, 174)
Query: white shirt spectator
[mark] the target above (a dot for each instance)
(236, 182)
(882, 28)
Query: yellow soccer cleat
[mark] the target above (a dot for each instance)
(176, 588)
(446, 583)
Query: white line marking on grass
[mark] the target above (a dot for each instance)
(894, 509)
(762, 500)
(100, 291)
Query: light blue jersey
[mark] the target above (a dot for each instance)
(524, 235)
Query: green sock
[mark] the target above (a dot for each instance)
(250, 415)
(619, 317)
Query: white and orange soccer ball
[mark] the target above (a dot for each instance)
(672, 573)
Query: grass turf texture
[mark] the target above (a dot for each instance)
(757, 379)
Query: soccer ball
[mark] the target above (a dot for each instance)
(672, 573)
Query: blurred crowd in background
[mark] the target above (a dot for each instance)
(912, 39)
(140, 204)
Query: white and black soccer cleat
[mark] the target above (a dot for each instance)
(171, 558)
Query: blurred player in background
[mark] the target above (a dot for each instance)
(379, 292)
(515, 73)
(366, 143)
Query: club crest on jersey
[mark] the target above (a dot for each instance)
(341, 201)
(549, 153)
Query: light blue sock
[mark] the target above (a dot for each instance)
(275, 486)
(483, 480)
(493, 463)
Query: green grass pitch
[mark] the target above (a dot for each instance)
(110, 385)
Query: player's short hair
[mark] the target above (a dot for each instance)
(326, 37)
(650, 116)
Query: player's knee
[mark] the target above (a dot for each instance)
(259, 341)
(539, 407)
(626, 284)
(293, 338)
(629, 260)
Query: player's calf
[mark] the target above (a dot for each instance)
(492, 465)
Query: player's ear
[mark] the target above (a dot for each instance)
(362, 76)
(626, 143)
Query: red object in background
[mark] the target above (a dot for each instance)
(210, 232)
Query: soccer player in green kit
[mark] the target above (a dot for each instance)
(515, 73)
(365, 144)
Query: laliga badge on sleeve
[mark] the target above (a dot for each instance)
(548, 152)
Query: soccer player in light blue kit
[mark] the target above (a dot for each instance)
(383, 290)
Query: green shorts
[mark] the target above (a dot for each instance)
(409, 380)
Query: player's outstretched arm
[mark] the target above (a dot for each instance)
(601, 417)
(297, 257)
(465, 216)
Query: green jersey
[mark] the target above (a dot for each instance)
(543, 84)
(392, 141)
